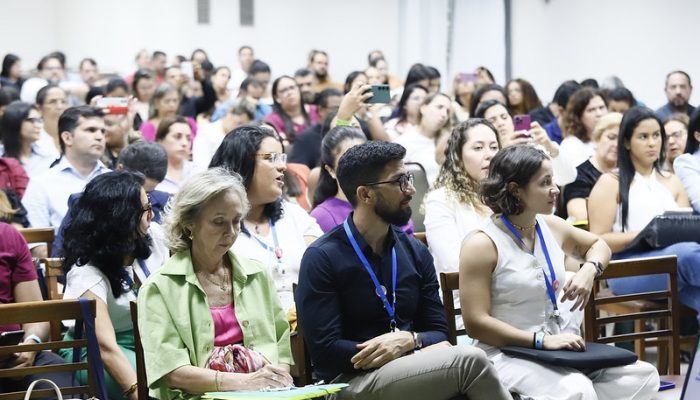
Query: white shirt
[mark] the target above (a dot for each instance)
(207, 141)
(647, 198)
(171, 186)
(81, 279)
(46, 198)
(447, 223)
(291, 229)
(44, 153)
(573, 150)
(420, 149)
(234, 84)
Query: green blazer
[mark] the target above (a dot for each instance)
(177, 328)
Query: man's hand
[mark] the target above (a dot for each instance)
(380, 350)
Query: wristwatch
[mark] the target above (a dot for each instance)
(598, 267)
(417, 341)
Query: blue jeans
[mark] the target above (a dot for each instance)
(688, 254)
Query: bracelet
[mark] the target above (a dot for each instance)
(217, 384)
(34, 338)
(130, 390)
(342, 122)
(539, 340)
(598, 267)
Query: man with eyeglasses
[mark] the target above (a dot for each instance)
(368, 296)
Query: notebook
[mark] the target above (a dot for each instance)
(691, 388)
(306, 392)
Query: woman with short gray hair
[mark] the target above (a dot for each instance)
(211, 320)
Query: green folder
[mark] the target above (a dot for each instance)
(306, 392)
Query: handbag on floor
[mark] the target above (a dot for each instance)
(51, 383)
(596, 356)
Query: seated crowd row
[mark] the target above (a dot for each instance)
(216, 225)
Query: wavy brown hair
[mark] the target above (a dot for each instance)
(574, 110)
(453, 176)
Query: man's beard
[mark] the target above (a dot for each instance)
(308, 98)
(679, 102)
(399, 216)
(321, 75)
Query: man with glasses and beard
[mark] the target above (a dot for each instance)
(678, 89)
(368, 296)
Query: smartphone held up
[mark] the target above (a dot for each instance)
(522, 123)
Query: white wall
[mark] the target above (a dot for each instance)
(554, 40)
(638, 40)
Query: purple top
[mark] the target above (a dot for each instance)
(148, 129)
(15, 266)
(333, 211)
(276, 120)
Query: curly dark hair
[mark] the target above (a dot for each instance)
(453, 176)
(516, 164)
(104, 227)
(237, 154)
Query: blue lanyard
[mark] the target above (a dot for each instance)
(277, 250)
(550, 285)
(379, 289)
(144, 268)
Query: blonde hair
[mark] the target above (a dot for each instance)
(6, 210)
(607, 121)
(183, 210)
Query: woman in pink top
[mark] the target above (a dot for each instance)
(164, 103)
(288, 115)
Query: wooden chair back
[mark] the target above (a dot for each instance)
(301, 371)
(39, 235)
(53, 271)
(666, 335)
(47, 311)
(141, 377)
(449, 283)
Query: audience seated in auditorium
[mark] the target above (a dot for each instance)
(587, 173)
(52, 102)
(19, 284)
(620, 99)
(318, 62)
(434, 119)
(164, 103)
(11, 72)
(453, 208)
(551, 118)
(210, 136)
(508, 297)
(582, 113)
(407, 111)
(522, 97)
(676, 130)
(354, 331)
(289, 116)
(621, 204)
(275, 232)
(82, 142)
(485, 93)
(678, 90)
(307, 148)
(497, 114)
(175, 135)
(20, 130)
(104, 245)
(210, 319)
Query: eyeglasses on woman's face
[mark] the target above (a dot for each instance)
(274, 158)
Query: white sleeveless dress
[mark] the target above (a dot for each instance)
(519, 298)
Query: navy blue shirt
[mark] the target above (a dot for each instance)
(554, 131)
(336, 301)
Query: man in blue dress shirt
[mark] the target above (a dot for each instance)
(368, 296)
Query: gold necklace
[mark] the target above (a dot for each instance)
(522, 228)
(224, 283)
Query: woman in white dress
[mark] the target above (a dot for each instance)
(275, 231)
(515, 292)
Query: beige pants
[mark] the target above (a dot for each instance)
(460, 372)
